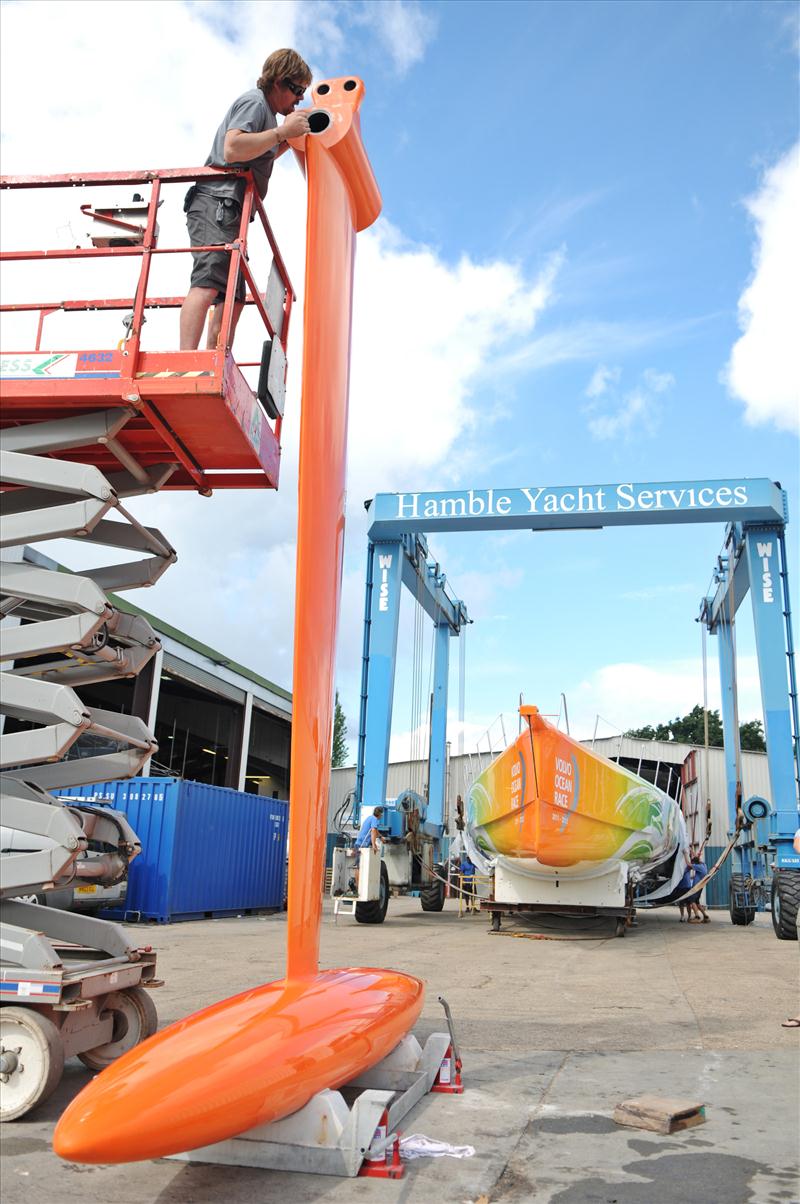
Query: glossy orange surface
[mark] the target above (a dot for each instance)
(261, 1055)
(242, 1062)
(342, 196)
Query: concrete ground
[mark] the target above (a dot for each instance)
(554, 1034)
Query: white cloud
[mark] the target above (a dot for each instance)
(413, 378)
(628, 695)
(609, 701)
(631, 415)
(529, 229)
(764, 367)
(659, 382)
(602, 377)
(589, 340)
(404, 28)
(789, 27)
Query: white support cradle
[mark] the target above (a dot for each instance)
(328, 1137)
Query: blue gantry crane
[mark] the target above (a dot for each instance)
(767, 867)
(412, 825)
(766, 863)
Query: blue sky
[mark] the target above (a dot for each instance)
(576, 197)
(624, 136)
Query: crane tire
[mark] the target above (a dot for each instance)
(374, 912)
(740, 915)
(431, 895)
(785, 903)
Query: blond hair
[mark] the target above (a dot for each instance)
(283, 64)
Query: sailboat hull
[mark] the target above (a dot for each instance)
(548, 807)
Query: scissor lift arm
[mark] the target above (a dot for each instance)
(81, 433)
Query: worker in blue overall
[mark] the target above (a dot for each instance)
(368, 832)
(368, 835)
(698, 912)
(467, 871)
(686, 883)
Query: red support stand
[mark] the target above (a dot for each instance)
(448, 1080)
(388, 1167)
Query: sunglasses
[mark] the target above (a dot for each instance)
(295, 89)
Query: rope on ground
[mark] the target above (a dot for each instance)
(543, 936)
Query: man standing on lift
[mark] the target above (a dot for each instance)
(249, 136)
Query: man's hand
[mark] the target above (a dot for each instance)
(295, 125)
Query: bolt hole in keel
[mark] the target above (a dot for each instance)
(318, 121)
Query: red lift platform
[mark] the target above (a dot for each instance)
(174, 419)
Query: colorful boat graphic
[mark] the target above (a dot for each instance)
(547, 802)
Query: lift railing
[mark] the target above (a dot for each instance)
(196, 409)
(275, 315)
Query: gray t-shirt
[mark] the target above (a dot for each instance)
(251, 114)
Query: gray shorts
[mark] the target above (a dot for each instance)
(210, 220)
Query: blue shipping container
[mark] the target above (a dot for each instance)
(206, 850)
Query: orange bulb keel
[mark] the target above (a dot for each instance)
(241, 1062)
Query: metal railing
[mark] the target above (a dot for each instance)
(141, 302)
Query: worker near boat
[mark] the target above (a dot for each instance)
(696, 911)
(368, 837)
(467, 872)
(368, 833)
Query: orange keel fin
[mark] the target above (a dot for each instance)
(343, 198)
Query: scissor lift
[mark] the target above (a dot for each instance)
(82, 430)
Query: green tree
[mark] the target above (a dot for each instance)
(751, 735)
(339, 751)
(690, 729)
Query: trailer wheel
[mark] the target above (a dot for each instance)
(739, 914)
(31, 1060)
(375, 911)
(785, 903)
(431, 896)
(135, 1018)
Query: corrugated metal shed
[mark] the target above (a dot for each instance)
(206, 850)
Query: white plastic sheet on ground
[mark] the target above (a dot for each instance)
(419, 1146)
